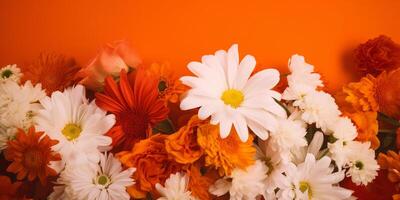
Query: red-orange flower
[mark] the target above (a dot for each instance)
(199, 181)
(53, 71)
(9, 190)
(169, 86)
(377, 55)
(367, 127)
(152, 163)
(182, 145)
(387, 93)
(30, 154)
(135, 103)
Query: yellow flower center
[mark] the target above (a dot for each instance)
(71, 131)
(304, 186)
(103, 180)
(232, 97)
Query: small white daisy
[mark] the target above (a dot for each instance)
(301, 81)
(108, 181)
(175, 187)
(224, 89)
(243, 184)
(314, 179)
(78, 125)
(314, 148)
(6, 134)
(363, 168)
(11, 73)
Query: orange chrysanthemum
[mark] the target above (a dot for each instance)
(30, 154)
(361, 95)
(53, 71)
(367, 127)
(199, 182)
(135, 103)
(387, 93)
(169, 86)
(182, 145)
(391, 162)
(152, 163)
(9, 190)
(225, 154)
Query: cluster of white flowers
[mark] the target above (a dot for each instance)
(80, 127)
(287, 166)
(19, 104)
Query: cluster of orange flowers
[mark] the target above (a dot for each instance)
(373, 103)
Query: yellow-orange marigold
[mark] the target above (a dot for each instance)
(225, 154)
(199, 182)
(169, 86)
(361, 95)
(152, 163)
(367, 127)
(388, 93)
(182, 145)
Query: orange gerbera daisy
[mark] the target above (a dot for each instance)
(9, 190)
(367, 127)
(387, 93)
(225, 154)
(169, 86)
(152, 163)
(182, 145)
(53, 71)
(135, 103)
(30, 154)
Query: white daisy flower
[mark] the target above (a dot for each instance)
(242, 184)
(18, 106)
(343, 132)
(301, 81)
(225, 90)
(79, 126)
(108, 181)
(11, 73)
(175, 187)
(314, 179)
(319, 108)
(363, 168)
(289, 136)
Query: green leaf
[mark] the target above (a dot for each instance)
(165, 126)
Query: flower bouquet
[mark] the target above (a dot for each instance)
(120, 129)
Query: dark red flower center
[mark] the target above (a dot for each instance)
(33, 158)
(134, 124)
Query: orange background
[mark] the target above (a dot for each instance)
(181, 31)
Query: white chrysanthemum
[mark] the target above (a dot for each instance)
(224, 90)
(320, 108)
(275, 178)
(175, 187)
(343, 132)
(79, 126)
(10, 73)
(289, 136)
(362, 164)
(242, 184)
(108, 181)
(314, 179)
(18, 106)
(301, 81)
